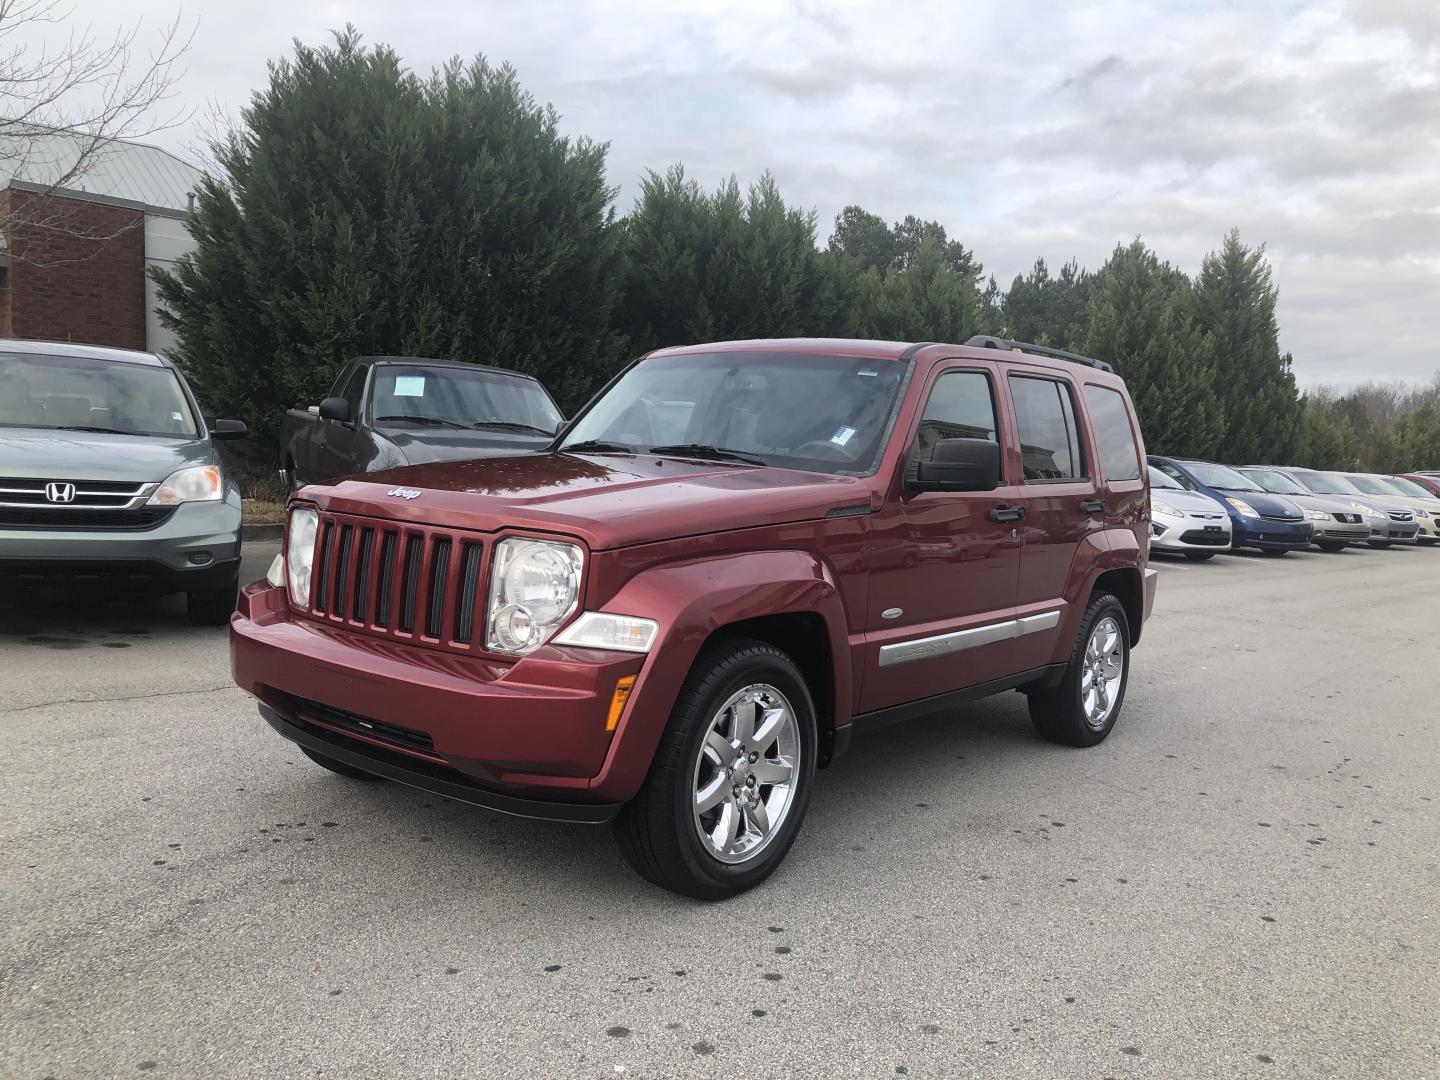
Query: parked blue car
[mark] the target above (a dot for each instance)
(1268, 523)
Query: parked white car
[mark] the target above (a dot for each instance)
(1185, 521)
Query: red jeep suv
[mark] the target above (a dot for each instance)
(735, 556)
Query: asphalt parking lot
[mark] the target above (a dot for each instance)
(1243, 881)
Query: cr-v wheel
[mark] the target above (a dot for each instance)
(1082, 710)
(731, 778)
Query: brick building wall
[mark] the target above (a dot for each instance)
(64, 284)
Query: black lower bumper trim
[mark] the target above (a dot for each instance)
(417, 774)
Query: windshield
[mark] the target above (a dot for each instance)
(1372, 485)
(1219, 476)
(1408, 487)
(60, 392)
(1159, 480)
(402, 393)
(1277, 483)
(821, 413)
(1328, 483)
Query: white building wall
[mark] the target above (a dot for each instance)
(165, 241)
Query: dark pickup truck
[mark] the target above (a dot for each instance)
(386, 411)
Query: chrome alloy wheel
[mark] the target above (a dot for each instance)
(745, 773)
(1104, 667)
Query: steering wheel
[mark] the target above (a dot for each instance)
(827, 451)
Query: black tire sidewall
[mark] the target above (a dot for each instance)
(768, 666)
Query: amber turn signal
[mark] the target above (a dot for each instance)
(617, 702)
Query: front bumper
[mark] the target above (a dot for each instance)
(516, 737)
(1274, 535)
(1395, 532)
(1340, 532)
(1188, 534)
(195, 549)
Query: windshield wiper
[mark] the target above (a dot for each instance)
(596, 446)
(509, 425)
(101, 430)
(438, 421)
(706, 451)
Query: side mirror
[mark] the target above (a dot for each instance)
(335, 408)
(959, 465)
(228, 429)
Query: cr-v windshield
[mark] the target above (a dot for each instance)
(404, 395)
(1221, 477)
(79, 393)
(820, 413)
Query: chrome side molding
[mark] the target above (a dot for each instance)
(903, 652)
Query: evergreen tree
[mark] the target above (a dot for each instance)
(1138, 321)
(1234, 302)
(704, 267)
(1328, 439)
(1049, 311)
(872, 245)
(361, 209)
(927, 301)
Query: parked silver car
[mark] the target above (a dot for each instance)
(1395, 491)
(1338, 521)
(1185, 521)
(109, 475)
(1388, 524)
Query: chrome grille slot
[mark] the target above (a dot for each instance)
(469, 587)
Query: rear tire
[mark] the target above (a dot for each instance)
(1082, 710)
(339, 767)
(1330, 545)
(214, 607)
(1199, 556)
(668, 833)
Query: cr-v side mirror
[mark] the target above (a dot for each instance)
(959, 465)
(335, 408)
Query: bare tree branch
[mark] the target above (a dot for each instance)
(64, 103)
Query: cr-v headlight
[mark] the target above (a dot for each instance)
(300, 553)
(197, 483)
(534, 587)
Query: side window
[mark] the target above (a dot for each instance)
(1175, 474)
(961, 406)
(1114, 437)
(354, 392)
(1049, 440)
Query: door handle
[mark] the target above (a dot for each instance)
(1093, 506)
(1007, 513)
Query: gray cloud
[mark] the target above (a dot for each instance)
(1052, 129)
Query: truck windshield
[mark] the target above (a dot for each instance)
(819, 413)
(418, 394)
(78, 393)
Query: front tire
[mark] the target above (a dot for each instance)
(1274, 553)
(731, 779)
(1378, 545)
(1330, 546)
(1083, 709)
(215, 606)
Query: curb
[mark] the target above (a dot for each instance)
(262, 532)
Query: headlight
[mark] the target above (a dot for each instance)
(1420, 513)
(198, 483)
(276, 574)
(534, 587)
(300, 553)
(1159, 506)
(1318, 515)
(1242, 507)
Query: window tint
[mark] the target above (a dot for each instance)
(961, 406)
(354, 391)
(1049, 444)
(1114, 437)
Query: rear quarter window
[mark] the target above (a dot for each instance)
(1114, 434)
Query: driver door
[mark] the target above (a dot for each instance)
(338, 446)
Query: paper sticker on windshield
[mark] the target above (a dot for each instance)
(842, 436)
(409, 385)
(871, 372)
(176, 417)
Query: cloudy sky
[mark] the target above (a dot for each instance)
(1028, 129)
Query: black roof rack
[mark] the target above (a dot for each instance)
(985, 341)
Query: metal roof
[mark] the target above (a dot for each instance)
(75, 349)
(126, 171)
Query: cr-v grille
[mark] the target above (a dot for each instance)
(399, 580)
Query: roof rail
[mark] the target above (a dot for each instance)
(985, 341)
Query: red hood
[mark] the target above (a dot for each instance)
(608, 501)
